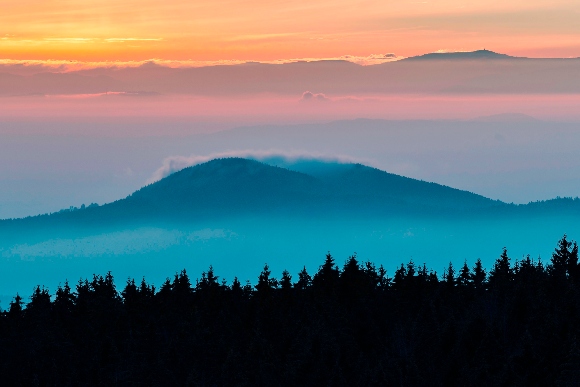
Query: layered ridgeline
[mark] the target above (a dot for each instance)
(244, 212)
(481, 71)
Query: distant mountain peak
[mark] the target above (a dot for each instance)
(478, 54)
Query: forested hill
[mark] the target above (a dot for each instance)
(234, 186)
(248, 185)
(516, 323)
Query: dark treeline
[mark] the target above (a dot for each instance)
(517, 323)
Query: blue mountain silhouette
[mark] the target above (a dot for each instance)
(231, 188)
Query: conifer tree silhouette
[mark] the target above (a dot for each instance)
(286, 281)
(449, 276)
(464, 279)
(383, 279)
(326, 279)
(479, 275)
(39, 303)
(236, 287)
(15, 309)
(208, 282)
(64, 300)
(130, 293)
(560, 263)
(399, 277)
(501, 274)
(304, 280)
(266, 284)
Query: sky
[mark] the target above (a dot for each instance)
(218, 30)
(84, 84)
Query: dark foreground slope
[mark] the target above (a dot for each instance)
(516, 324)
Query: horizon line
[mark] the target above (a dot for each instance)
(67, 65)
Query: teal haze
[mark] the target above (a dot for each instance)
(237, 214)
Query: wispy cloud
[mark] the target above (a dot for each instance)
(281, 158)
(121, 40)
(70, 40)
(73, 65)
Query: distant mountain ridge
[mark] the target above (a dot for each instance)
(452, 72)
(463, 55)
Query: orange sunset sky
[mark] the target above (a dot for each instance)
(266, 30)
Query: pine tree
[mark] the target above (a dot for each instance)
(479, 275)
(64, 300)
(304, 280)
(208, 282)
(327, 277)
(465, 277)
(423, 274)
(146, 291)
(502, 273)
(286, 281)
(265, 283)
(236, 287)
(399, 278)
(181, 284)
(449, 276)
(15, 309)
(165, 290)
(410, 269)
(39, 306)
(130, 294)
(525, 269)
(384, 280)
(353, 279)
(371, 274)
(560, 261)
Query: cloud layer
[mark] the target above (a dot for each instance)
(29, 67)
(280, 158)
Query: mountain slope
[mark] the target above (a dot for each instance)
(234, 187)
(468, 55)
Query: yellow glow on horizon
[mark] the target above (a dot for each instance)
(101, 30)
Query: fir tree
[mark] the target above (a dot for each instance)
(561, 257)
(479, 275)
(502, 273)
(449, 276)
(286, 281)
(399, 277)
(326, 279)
(64, 300)
(383, 280)
(304, 279)
(465, 277)
(15, 309)
(265, 283)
